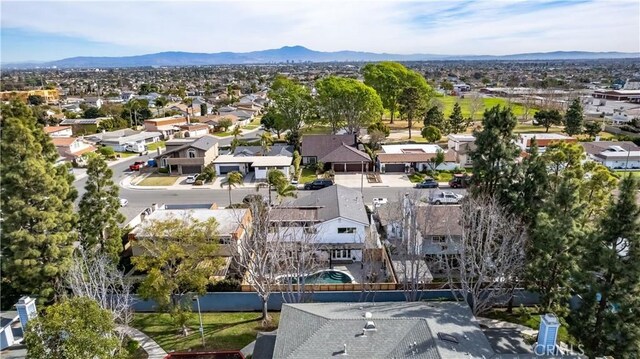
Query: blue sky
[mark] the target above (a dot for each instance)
(49, 30)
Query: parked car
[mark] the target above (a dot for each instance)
(137, 165)
(192, 178)
(446, 198)
(428, 182)
(377, 202)
(460, 181)
(123, 202)
(318, 184)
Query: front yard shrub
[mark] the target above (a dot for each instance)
(107, 152)
(163, 170)
(225, 285)
(198, 182)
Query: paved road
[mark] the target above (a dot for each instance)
(140, 199)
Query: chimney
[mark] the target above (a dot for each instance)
(597, 138)
(26, 307)
(547, 335)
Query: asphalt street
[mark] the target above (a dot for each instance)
(140, 199)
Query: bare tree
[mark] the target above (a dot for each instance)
(527, 103)
(476, 103)
(490, 256)
(94, 275)
(301, 259)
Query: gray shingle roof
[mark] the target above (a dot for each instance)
(320, 330)
(321, 145)
(336, 201)
(346, 154)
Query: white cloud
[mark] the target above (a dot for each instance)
(446, 27)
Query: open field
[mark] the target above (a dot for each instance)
(158, 180)
(222, 331)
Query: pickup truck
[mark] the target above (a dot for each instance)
(137, 165)
(460, 181)
(446, 198)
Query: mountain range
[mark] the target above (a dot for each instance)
(298, 54)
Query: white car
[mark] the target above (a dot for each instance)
(192, 178)
(377, 202)
(446, 198)
(123, 202)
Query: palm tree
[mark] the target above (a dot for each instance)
(160, 102)
(274, 178)
(285, 189)
(266, 141)
(189, 102)
(236, 132)
(233, 179)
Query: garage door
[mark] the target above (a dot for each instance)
(394, 167)
(226, 169)
(191, 169)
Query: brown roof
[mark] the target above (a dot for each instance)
(194, 126)
(345, 154)
(63, 141)
(166, 120)
(449, 156)
(215, 118)
(52, 129)
(321, 145)
(431, 220)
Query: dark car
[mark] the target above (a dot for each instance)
(460, 181)
(427, 183)
(318, 184)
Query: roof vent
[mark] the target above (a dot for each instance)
(448, 338)
(370, 325)
(368, 315)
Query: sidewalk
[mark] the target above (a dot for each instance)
(126, 182)
(81, 173)
(149, 345)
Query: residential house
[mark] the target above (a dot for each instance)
(93, 101)
(83, 126)
(127, 96)
(193, 130)
(232, 228)
(72, 107)
(184, 109)
(542, 139)
(244, 116)
(614, 154)
(213, 121)
(58, 131)
(119, 140)
(337, 152)
(339, 219)
(72, 149)
(167, 126)
(250, 159)
(188, 155)
(14, 325)
(461, 144)
(429, 330)
(412, 157)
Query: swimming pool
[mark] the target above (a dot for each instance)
(327, 276)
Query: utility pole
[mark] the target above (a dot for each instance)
(200, 316)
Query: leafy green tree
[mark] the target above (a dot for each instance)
(107, 152)
(495, 153)
(208, 174)
(607, 320)
(529, 190)
(265, 142)
(347, 103)
(379, 126)
(457, 122)
(203, 109)
(389, 79)
(592, 128)
(37, 208)
(431, 134)
(160, 102)
(285, 189)
(146, 89)
(225, 123)
(178, 257)
(92, 112)
(435, 117)
(436, 160)
(296, 162)
(574, 119)
(100, 215)
(137, 111)
(232, 180)
(293, 103)
(274, 122)
(411, 104)
(74, 328)
(446, 85)
(36, 100)
(548, 118)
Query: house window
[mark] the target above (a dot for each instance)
(439, 239)
(191, 153)
(341, 253)
(343, 230)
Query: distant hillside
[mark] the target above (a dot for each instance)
(300, 54)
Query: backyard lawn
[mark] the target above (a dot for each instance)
(158, 180)
(530, 318)
(222, 331)
(155, 145)
(307, 175)
(316, 130)
(621, 174)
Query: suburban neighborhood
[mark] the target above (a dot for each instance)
(294, 203)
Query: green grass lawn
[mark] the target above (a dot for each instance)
(307, 175)
(251, 127)
(222, 331)
(126, 154)
(154, 146)
(316, 130)
(222, 134)
(487, 103)
(416, 177)
(521, 128)
(158, 180)
(621, 174)
(529, 317)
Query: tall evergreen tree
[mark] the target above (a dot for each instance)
(574, 119)
(607, 321)
(37, 209)
(434, 117)
(457, 123)
(99, 210)
(495, 153)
